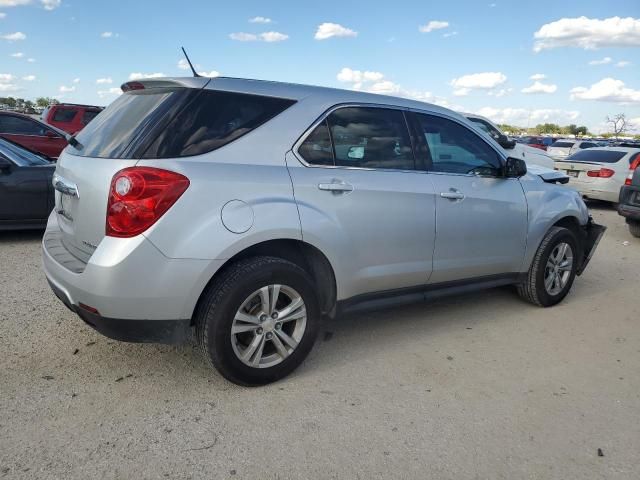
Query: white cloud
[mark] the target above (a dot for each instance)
(462, 92)
(374, 82)
(484, 81)
(259, 20)
(6, 83)
(524, 117)
(268, 37)
(104, 81)
(356, 76)
(623, 63)
(539, 87)
(243, 37)
(449, 34)
(13, 3)
(139, 76)
(17, 55)
(538, 76)
(110, 35)
(588, 33)
(500, 93)
(111, 91)
(183, 64)
(29, 78)
(273, 37)
(6, 77)
(51, 4)
(212, 73)
(492, 5)
(328, 30)
(13, 37)
(64, 89)
(603, 61)
(76, 80)
(3, 15)
(607, 90)
(31, 60)
(433, 25)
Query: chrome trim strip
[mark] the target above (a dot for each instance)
(65, 186)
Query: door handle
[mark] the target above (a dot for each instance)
(452, 195)
(63, 185)
(336, 187)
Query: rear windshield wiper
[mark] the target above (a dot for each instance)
(71, 139)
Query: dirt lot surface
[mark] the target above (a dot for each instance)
(483, 386)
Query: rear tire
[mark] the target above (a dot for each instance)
(634, 228)
(553, 269)
(238, 327)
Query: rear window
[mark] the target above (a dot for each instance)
(64, 115)
(89, 115)
(599, 156)
(562, 144)
(174, 122)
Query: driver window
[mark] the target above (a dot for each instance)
(454, 148)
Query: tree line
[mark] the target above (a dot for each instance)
(21, 103)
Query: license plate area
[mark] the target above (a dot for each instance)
(573, 173)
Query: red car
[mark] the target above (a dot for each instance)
(537, 142)
(70, 117)
(32, 134)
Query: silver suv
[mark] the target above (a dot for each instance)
(249, 210)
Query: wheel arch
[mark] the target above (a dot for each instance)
(303, 254)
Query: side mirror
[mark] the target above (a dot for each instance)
(506, 143)
(515, 168)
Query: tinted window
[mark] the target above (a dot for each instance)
(20, 156)
(562, 144)
(587, 145)
(64, 115)
(20, 126)
(603, 156)
(316, 149)
(371, 138)
(173, 122)
(212, 120)
(453, 148)
(89, 115)
(487, 127)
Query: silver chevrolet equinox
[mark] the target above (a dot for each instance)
(248, 210)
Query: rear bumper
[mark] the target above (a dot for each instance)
(628, 209)
(137, 293)
(592, 235)
(605, 190)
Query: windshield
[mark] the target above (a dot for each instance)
(598, 156)
(20, 156)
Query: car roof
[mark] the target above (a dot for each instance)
(613, 149)
(295, 91)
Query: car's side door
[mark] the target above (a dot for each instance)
(481, 216)
(362, 200)
(24, 192)
(31, 134)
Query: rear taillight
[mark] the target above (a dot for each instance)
(126, 87)
(635, 164)
(139, 196)
(602, 173)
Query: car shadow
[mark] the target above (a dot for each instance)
(21, 236)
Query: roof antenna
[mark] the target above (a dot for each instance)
(195, 74)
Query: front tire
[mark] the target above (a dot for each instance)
(634, 228)
(258, 321)
(553, 269)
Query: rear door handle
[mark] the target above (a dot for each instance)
(452, 195)
(337, 187)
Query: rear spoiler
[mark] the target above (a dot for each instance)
(148, 83)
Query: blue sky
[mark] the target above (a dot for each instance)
(472, 55)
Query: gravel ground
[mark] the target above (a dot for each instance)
(483, 387)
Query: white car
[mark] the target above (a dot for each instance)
(531, 155)
(598, 173)
(561, 149)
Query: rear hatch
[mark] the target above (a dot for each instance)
(117, 138)
(578, 164)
